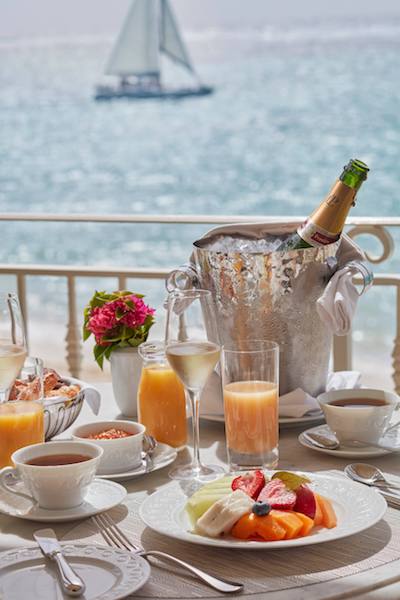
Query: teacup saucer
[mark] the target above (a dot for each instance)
(342, 451)
(101, 496)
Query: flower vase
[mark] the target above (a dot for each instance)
(126, 366)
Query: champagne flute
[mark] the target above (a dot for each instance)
(193, 352)
(12, 342)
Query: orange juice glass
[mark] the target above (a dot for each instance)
(250, 386)
(161, 397)
(21, 424)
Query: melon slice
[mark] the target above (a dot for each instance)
(205, 497)
(289, 521)
(329, 519)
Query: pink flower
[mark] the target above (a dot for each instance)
(137, 316)
(104, 319)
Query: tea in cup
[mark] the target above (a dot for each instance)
(56, 475)
(359, 416)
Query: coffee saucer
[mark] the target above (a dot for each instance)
(343, 450)
(101, 496)
(163, 456)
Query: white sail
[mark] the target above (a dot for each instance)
(171, 42)
(136, 51)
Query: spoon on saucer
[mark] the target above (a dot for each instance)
(369, 474)
(321, 441)
(149, 446)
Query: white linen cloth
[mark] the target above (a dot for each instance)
(338, 303)
(295, 404)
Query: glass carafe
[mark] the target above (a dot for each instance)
(161, 397)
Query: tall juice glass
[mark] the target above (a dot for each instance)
(22, 416)
(250, 375)
(21, 420)
(161, 397)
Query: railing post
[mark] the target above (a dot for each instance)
(122, 283)
(73, 337)
(342, 353)
(396, 348)
(21, 291)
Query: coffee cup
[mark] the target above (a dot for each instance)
(56, 475)
(360, 416)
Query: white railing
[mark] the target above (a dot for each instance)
(342, 352)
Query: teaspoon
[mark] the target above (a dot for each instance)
(321, 441)
(149, 446)
(369, 474)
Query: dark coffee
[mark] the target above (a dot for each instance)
(358, 402)
(54, 460)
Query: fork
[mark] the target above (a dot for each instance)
(114, 536)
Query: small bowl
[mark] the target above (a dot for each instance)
(120, 454)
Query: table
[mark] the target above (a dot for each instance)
(15, 533)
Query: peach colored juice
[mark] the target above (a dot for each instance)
(21, 424)
(162, 405)
(251, 416)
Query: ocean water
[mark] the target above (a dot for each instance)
(292, 104)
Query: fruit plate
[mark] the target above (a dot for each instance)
(357, 508)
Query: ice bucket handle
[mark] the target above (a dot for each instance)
(183, 278)
(361, 268)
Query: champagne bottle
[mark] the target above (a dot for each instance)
(324, 226)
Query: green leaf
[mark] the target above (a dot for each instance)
(86, 334)
(291, 480)
(99, 353)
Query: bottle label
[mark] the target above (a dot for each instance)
(315, 235)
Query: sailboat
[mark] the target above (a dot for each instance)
(150, 30)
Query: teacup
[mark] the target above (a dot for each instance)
(56, 475)
(359, 416)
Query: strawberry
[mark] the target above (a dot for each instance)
(251, 483)
(277, 495)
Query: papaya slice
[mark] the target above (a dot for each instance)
(318, 512)
(289, 521)
(308, 524)
(245, 528)
(329, 519)
(255, 527)
(269, 529)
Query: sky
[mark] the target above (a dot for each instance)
(75, 17)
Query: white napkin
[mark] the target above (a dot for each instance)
(92, 397)
(337, 305)
(295, 404)
(298, 403)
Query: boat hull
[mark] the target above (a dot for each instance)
(112, 93)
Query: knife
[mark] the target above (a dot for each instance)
(49, 545)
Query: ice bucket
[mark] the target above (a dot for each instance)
(260, 294)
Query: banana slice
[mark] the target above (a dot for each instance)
(223, 514)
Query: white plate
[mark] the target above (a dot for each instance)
(101, 496)
(343, 451)
(284, 422)
(163, 456)
(357, 508)
(109, 574)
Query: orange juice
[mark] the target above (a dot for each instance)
(251, 416)
(21, 424)
(162, 405)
